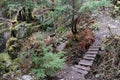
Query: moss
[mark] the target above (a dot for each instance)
(12, 27)
(10, 42)
(5, 62)
(15, 66)
(13, 46)
(8, 66)
(1, 24)
(25, 14)
(5, 57)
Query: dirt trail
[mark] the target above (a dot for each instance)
(77, 72)
(104, 21)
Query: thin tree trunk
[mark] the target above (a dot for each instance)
(74, 30)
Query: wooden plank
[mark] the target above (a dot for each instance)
(88, 58)
(82, 67)
(92, 52)
(83, 72)
(93, 49)
(89, 55)
(85, 62)
(95, 46)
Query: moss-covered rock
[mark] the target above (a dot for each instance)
(5, 62)
(12, 46)
(116, 11)
(4, 35)
(8, 66)
(22, 30)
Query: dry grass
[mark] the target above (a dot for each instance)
(109, 67)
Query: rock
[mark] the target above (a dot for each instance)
(3, 39)
(7, 35)
(61, 46)
(27, 77)
(4, 35)
(112, 26)
(21, 30)
(2, 43)
(5, 62)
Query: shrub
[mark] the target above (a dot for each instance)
(5, 61)
(8, 67)
(116, 11)
(13, 46)
(44, 62)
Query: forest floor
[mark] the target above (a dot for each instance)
(103, 20)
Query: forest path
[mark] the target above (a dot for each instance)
(78, 72)
(104, 21)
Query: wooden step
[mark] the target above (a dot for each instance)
(93, 49)
(92, 52)
(83, 72)
(95, 46)
(82, 67)
(88, 58)
(85, 62)
(90, 55)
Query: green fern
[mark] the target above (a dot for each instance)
(46, 63)
(93, 5)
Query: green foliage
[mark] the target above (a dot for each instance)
(10, 11)
(93, 5)
(60, 31)
(13, 46)
(8, 66)
(44, 62)
(5, 61)
(116, 11)
(11, 3)
(112, 44)
(109, 67)
(56, 9)
(66, 9)
(95, 27)
(3, 27)
(23, 29)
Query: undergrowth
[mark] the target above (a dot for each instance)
(45, 63)
(107, 66)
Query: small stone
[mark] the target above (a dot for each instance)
(27, 77)
(97, 75)
(104, 36)
(112, 26)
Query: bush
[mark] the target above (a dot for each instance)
(8, 67)
(5, 61)
(116, 11)
(45, 63)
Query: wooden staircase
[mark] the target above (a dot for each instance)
(78, 72)
(85, 64)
